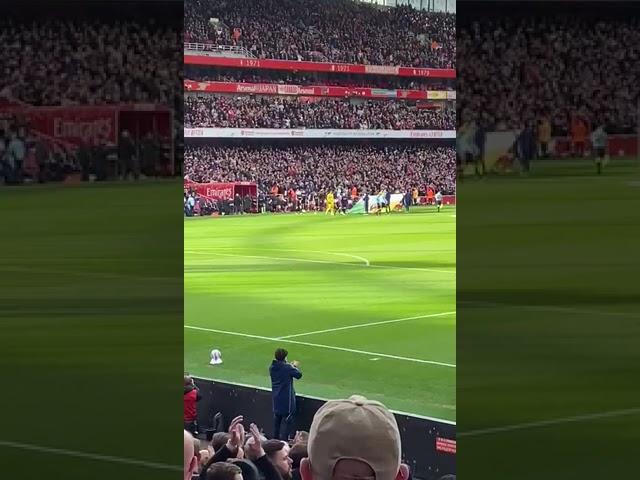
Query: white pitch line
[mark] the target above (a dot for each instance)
(329, 347)
(547, 423)
(292, 259)
(370, 324)
(348, 255)
(90, 456)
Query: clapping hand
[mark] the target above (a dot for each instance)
(236, 430)
(254, 446)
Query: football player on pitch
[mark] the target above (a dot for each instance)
(599, 141)
(330, 204)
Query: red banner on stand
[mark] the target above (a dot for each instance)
(70, 125)
(312, 91)
(289, 65)
(74, 125)
(221, 191)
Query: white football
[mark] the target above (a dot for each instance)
(216, 357)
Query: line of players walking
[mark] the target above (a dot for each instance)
(382, 202)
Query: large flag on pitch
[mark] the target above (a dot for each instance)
(377, 202)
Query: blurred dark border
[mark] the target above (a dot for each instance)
(91, 310)
(548, 314)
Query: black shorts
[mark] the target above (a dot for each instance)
(600, 152)
(438, 202)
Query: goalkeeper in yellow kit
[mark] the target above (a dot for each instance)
(330, 204)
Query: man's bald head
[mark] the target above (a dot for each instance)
(190, 460)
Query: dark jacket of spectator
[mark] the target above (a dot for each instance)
(282, 391)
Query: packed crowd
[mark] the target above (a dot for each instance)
(326, 30)
(513, 71)
(337, 79)
(315, 169)
(61, 62)
(342, 430)
(282, 112)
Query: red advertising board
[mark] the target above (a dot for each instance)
(256, 63)
(70, 125)
(312, 91)
(446, 445)
(221, 190)
(73, 125)
(619, 145)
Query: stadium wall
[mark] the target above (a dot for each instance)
(428, 445)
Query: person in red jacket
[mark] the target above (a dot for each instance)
(191, 396)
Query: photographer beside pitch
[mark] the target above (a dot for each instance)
(283, 394)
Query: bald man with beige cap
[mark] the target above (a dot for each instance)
(352, 439)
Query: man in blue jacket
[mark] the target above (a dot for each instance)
(283, 394)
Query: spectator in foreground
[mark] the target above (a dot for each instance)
(191, 396)
(190, 460)
(249, 470)
(224, 471)
(356, 439)
(278, 453)
(283, 394)
(296, 454)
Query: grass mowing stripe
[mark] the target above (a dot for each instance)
(292, 259)
(317, 345)
(551, 422)
(91, 456)
(325, 284)
(371, 324)
(548, 331)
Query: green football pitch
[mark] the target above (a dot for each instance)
(548, 328)
(365, 303)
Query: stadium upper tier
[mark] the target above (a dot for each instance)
(515, 70)
(326, 31)
(204, 74)
(283, 112)
(316, 168)
(55, 62)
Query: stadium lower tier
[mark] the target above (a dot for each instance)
(319, 168)
(280, 112)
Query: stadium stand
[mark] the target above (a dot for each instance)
(583, 67)
(222, 95)
(374, 136)
(95, 61)
(94, 73)
(281, 112)
(317, 78)
(326, 31)
(317, 167)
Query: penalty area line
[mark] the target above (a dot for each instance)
(370, 324)
(328, 347)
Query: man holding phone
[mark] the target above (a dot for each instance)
(283, 394)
